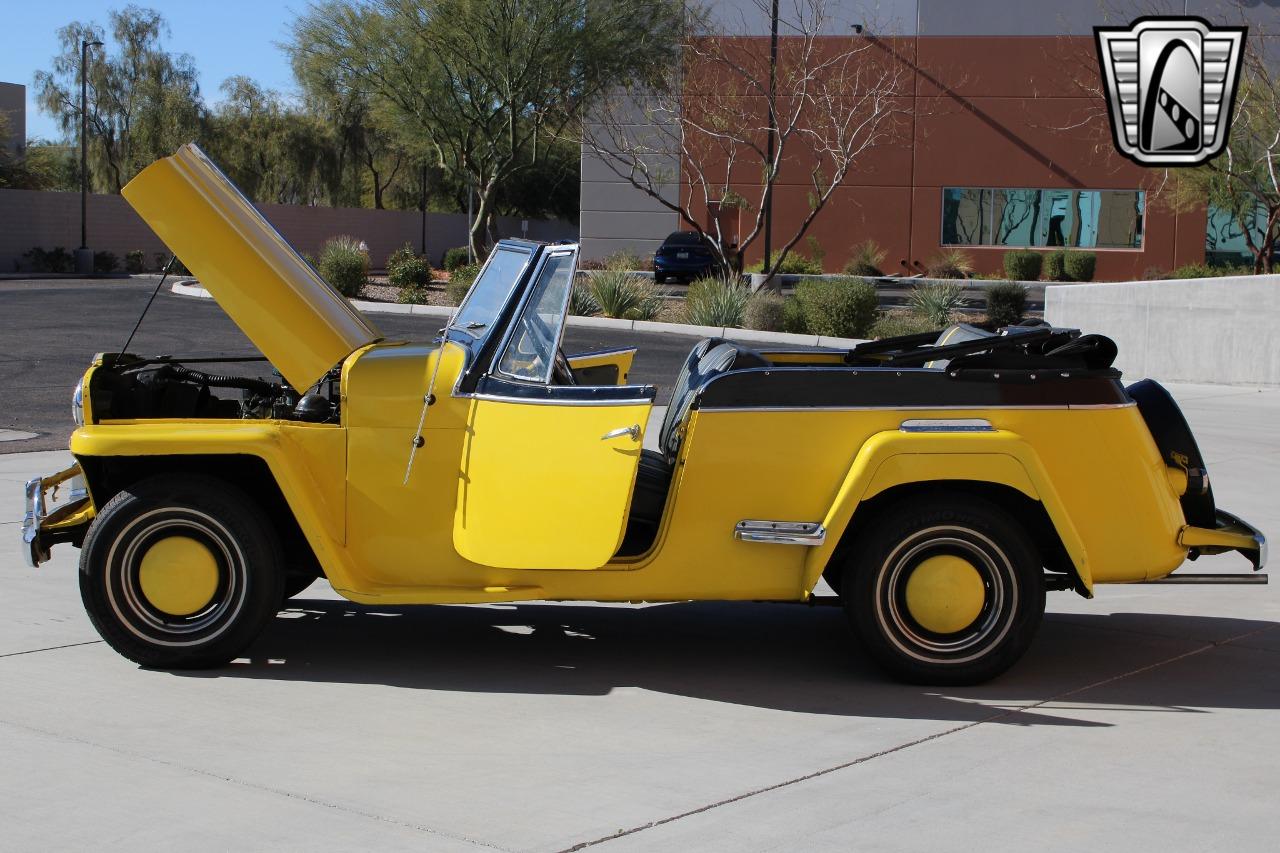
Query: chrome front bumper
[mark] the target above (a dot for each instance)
(34, 550)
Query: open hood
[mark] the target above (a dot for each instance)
(301, 324)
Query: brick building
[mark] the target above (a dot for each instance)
(1007, 143)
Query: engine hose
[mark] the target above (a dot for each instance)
(222, 380)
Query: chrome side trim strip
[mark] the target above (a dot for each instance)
(781, 532)
(947, 425)
(536, 401)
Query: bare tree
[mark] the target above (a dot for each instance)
(698, 140)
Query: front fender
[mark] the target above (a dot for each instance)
(894, 458)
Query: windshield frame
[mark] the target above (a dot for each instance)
(529, 251)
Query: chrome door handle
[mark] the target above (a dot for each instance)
(633, 431)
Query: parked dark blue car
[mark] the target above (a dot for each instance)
(683, 256)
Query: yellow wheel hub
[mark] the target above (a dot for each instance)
(945, 594)
(178, 575)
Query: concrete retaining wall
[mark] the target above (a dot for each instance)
(1218, 330)
(47, 219)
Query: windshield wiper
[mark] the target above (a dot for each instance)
(476, 325)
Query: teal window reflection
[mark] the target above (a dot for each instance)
(1103, 219)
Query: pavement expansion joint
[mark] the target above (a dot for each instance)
(293, 795)
(50, 648)
(917, 742)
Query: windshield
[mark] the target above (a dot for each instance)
(531, 350)
(491, 290)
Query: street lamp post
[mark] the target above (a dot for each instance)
(84, 257)
(773, 130)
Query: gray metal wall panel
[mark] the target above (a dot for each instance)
(622, 196)
(751, 17)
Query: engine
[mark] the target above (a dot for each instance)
(130, 388)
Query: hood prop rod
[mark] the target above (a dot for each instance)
(429, 399)
(145, 309)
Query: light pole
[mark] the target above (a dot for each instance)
(773, 130)
(84, 258)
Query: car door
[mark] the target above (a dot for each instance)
(547, 468)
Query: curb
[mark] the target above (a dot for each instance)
(190, 287)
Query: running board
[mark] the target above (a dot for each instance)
(1208, 578)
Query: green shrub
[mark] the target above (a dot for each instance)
(581, 301)
(1023, 264)
(1055, 264)
(793, 317)
(1199, 271)
(135, 261)
(765, 312)
(795, 263)
(460, 281)
(716, 302)
(404, 253)
(105, 262)
(344, 265)
(937, 302)
(866, 259)
(838, 307)
(456, 257)
(951, 263)
(1079, 266)
(897, 325)
(410, 272)
(414, 294)
(1006, 303)
(817, 254)
(623, 295)
(57, 259)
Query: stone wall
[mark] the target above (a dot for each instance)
(1218, 330)
(47, 219)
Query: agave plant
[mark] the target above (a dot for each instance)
(621, 294)
(582, 303)
(938, 302)
(716, 302)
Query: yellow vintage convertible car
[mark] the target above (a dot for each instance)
(940, 484)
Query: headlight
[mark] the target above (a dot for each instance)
(77, 404)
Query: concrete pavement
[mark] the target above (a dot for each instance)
(1144, 719)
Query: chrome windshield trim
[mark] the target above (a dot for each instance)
(780, 532)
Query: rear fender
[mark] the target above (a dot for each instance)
(896, 458)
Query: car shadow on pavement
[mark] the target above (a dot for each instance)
(772, 656)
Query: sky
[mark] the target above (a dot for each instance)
(224, 37)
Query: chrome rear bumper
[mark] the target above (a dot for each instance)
(1230, 533)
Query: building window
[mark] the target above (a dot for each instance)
(1101, 219)
(1224, 242)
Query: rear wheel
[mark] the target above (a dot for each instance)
(944, 590)
(180, 571)
(659, 278)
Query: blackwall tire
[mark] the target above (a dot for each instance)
(945, 591)
(154, 552)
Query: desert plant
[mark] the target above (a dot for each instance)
(460, 281)
(839, 307)
(455, 257)
(716, 302)
(344, 265)
(105, 262)
(866, 259)
(765, 312)
(794, 263)
(1023, 264)
(135, 261)
(1055, 265)
(625, 259)
(56, 259)
(937, 302)
(1006, 303)
(793, 317)
(409, 272)
(582, 303)
(413, 294)
(621, 294)
(1079, 266)
(899, 324)
(404, 253)
(951, 263)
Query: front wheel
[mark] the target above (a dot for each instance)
(180, 571)
(945, 590)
